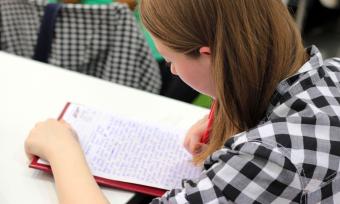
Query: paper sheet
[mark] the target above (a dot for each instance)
(127, 150)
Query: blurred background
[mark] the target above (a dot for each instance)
(319, 22)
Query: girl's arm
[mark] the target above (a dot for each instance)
(55, 142)
(74, 181)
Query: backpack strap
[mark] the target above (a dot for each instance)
(45, 37)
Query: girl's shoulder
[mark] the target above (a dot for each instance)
(333, 64)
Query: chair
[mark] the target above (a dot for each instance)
(99, 40)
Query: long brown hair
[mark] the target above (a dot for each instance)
(254, 45)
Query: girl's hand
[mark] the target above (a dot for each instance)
(193, 136)
(56, 142)
(50, 138)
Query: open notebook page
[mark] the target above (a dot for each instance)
(132, 151)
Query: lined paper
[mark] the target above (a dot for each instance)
(122, 149)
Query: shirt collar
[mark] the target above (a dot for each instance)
(315, 61)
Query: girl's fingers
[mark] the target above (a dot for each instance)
(27, 152)
(194, 141)
(186, 141)
(29, 157)
(198, 148)
(195, 133)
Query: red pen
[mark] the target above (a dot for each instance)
(206, 135)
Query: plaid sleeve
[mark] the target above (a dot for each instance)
(291, 156)
(255, 173)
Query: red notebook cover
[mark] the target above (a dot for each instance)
(103, 181)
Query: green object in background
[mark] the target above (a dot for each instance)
(203, 101)
(152, 46)
(148, 38)
(87, 1)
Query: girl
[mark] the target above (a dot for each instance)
(275, 127)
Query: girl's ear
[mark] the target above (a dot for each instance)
(205, 51)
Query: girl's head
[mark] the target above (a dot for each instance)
(245, 48)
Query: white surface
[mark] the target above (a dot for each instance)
(32, 91)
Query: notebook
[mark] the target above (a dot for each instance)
(128, 153)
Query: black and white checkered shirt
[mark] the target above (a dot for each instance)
(293, 156)
(99, 40)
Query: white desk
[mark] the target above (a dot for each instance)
(32, 91)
